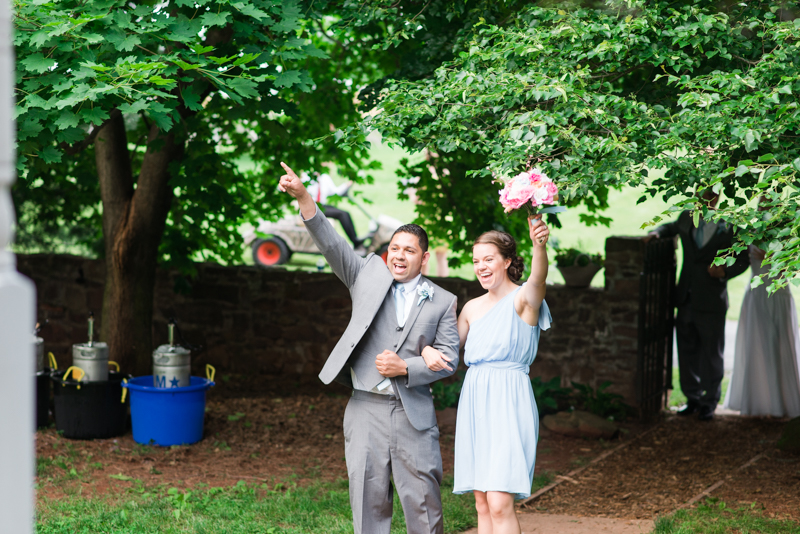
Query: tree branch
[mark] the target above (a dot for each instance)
(618, 74)
(329, 38)
(71, 150)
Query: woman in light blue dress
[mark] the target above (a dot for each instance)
(498, 424)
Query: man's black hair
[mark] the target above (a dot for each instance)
(416, 230)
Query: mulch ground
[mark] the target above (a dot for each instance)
(273, 431)
(677, 461)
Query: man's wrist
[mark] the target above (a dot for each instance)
(307, 211)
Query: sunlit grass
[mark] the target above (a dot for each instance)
(278, 508)
(714, 517)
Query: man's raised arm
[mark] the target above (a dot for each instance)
(345, 263)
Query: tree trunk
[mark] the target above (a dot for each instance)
(133, 225)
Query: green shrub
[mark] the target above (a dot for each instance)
(549, 395)
(601, 403)
(567, 257)
(445, 395)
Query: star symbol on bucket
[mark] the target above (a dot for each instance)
(174, 381)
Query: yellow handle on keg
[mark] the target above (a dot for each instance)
(77, 374)
(52, 359)
(124, 390)
(115, 364)
(210, 372)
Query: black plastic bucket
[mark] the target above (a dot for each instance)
(91, 410)
(43, 398)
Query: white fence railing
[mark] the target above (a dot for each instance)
(17, 320)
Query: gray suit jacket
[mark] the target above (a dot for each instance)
(432, 322)
(696, 287)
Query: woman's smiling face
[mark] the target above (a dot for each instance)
(490, 266)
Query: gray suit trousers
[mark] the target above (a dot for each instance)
(381, 443)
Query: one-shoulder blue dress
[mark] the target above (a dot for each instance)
(497, 426)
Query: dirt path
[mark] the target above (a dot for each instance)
(569, 524)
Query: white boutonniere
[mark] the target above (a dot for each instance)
(425, 291)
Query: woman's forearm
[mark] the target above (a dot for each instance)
(536, 285)
(539, 266)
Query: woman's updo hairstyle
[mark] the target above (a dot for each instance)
(508, 249)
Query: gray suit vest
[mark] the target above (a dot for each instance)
(383, 334)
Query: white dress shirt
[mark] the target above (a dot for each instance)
(409, 292)
(323, 187)
(709, 231)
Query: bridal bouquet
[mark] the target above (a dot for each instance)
(531, 189)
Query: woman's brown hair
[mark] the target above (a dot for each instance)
(508, 249)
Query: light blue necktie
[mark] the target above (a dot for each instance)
(400, 303)
(698, 235)
(400, 311)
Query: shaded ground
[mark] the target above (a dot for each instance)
(677, 461)
(773, 483)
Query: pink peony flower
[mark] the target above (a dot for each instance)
(553, 190)
(517, 192)
(532, 186)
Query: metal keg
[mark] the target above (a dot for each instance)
(42, 381)
(171, 363)
(40, 361)
(91, 357)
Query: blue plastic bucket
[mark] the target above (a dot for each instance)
(171, 416)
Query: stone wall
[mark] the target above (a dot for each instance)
(253, 320)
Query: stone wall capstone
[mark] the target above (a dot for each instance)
(273, 321)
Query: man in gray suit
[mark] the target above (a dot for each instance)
(702, 302)
(390, 422)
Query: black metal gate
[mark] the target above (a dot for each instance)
(656, 323)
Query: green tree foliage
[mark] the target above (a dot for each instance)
(240, 81)
(152, 130)
(705, 92)
(149, 131)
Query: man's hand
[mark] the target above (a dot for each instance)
(716, 271)
(292, 184)
(757, 253)
(389, 364)
(650, 236)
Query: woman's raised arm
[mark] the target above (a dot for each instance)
(533, 291)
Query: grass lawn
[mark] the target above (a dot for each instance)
(714, 517)
(254, 509)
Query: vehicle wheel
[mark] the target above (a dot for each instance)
(383, 251)
(269, 252)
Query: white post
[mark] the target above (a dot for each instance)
(17, 320)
